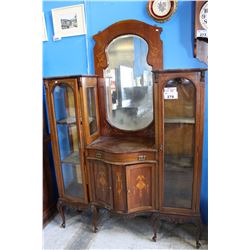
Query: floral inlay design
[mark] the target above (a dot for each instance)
(119, 183)
(102, 179)
(140, 184)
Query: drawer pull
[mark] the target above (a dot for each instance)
(141, 157)
(98, 155)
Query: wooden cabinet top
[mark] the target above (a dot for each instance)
(67, 76)
(123, 145)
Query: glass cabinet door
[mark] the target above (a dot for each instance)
(67, 134)
(89, 102)
(92, 120)
(179, 140)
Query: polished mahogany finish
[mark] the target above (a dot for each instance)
(179, 141)
(72, 127)
(154, 171)
(122, 174)
(151, 34)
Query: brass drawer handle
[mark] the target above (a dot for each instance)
(98, 155)
(141, 157)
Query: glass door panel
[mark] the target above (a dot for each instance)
(91, 110)
(64, 106)
(72, 180)
(179, 134)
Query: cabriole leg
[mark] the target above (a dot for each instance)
(154, 225)
(94, 220)
(60, 208)
(198, 233)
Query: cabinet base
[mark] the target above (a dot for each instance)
(179, 219)
(62, 203)
(95, 210)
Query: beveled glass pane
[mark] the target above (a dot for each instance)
(129, 92)
(64, 106)
(91, 110)
(179, 134)
(72, 180)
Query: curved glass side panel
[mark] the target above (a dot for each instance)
(129, 91)
(179, 135)
(64, 106)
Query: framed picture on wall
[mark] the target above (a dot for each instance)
(44, 34)
(69, 21)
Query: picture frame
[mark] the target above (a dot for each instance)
(68, 21)
(44, 29)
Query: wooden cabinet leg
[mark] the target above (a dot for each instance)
(198, 233)
(95, 211)
(154, 219)
(60, 208)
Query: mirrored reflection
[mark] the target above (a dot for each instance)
(129, 97)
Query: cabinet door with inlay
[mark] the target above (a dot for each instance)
(119, 188)
(140, 187)
(101, 183)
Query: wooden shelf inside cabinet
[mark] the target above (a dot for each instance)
(74, 189)
(69, 120)
(178, 162)
(72, 158)
(187, 120)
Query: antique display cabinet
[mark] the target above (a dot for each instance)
(129, 140)
(74, 122)
(179, 138)
(122, 163)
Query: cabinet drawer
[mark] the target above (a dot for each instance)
(121, 158)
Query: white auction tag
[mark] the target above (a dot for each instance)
(202, 33)
(170, 93)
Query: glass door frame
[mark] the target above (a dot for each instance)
(85, 83)
(50, 86)
(198, 140)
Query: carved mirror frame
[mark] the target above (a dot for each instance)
(151, 34)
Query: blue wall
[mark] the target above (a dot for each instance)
(70, 56)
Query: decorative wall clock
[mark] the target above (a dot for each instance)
(204, 16)
(161, 10)
(201, 31)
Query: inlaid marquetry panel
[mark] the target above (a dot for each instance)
(101, 183)
(119, 188)
(140, 186)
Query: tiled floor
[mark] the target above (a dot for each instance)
(116, 233)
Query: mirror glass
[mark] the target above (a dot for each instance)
(128, 78)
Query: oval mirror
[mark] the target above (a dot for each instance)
(129, 85)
